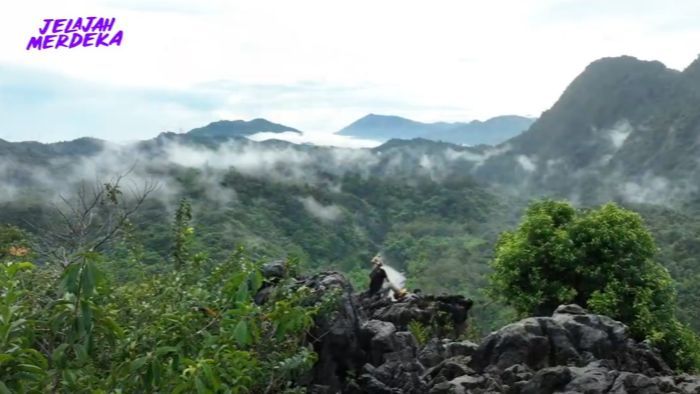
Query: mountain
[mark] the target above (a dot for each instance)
(221, 131)
(489, 132)
(238, 128)
(327, 205)
(210, 135)
(623, 129)
(37, 151)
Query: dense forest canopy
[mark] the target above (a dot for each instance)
(134, 267)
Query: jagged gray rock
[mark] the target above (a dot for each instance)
(336, 337)
(432, 353)
(566, 339)
(463, 348)
(274, 269)
(364, 347)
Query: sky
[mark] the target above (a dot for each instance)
(316, 65)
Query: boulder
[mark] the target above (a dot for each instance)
(274, 270)
(364, 346)
(378, 338)
(571, 338)
(432, 353)
(463, 348)
(335, 336)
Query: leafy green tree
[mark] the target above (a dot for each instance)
(183, 233)
(601, 259)
(189, 330)
(22, 368)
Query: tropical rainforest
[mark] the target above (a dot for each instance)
(134, 268)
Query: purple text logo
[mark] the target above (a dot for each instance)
(70, 33)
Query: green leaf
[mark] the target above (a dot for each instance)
(31, 369)
(59, 355)
(37, 357)
(69, 278)
(166, 349)
(81, 353)
(201, 387)
(69, 377)
(155, 370)
(86, 316)
(111, 326)
(137, 364)
(256, 280)
(181, 388)
(242, 293)
(88, 278)
(13, 268)
(211, 378)
(241, 333)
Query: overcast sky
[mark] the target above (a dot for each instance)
(317, 65)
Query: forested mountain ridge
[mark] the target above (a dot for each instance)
(490, 132)
(623, 129)
(331, 207)
(213, 133)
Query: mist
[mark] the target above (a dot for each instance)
(326, 213)
(163, 161)
(273, 161)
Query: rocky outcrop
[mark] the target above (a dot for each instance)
(575, 352)
(365, 347)
(569, 337)
(336, 337)
(570, 352)
(446, 313)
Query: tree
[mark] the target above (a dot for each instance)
(601, 259)
(90, 220)
(183, 233)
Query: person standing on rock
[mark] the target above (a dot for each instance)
(377, 276)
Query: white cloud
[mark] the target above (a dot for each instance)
(651, 189)
(317, 138)
(291, 164)
(618, 134)
(479, 158)
(526, 163)
(327, 213)
(454, 61)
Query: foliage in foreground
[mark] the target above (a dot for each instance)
(191, 330)
(601, 259)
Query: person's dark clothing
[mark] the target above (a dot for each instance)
(376, 280)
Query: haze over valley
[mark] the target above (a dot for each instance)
(624, 130)
(390, 197)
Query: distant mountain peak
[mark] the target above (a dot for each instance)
(378, 120)
(386, 127)
(239, 128)
(693, 70)
(624, 61)
(623, 122)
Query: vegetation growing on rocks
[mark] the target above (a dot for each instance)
(602, 259)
